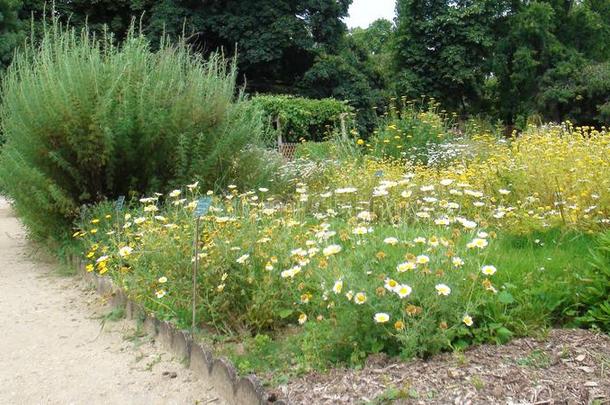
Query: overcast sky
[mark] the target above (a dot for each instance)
(364, 12)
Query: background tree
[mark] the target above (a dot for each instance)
(443, 49)
(542, 51)
(276, 40)
(357, 72)
(11, 30)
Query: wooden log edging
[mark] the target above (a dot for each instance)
(220, 372)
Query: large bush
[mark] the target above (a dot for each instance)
(409, 131)
(302, 118)
(87, 120)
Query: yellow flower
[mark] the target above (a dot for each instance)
(399, 325)
(360, 141)
(162, 280)
(467, 319)
(412, 310)
(89, 268)
(302, 319)
(160, 293)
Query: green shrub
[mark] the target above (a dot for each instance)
(407, 133)
(302, 118)
(86, 120)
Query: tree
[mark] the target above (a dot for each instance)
(276, 41)
(443, 48)
(541, 52)
(377, 41)
(11, 30)
(352, 75)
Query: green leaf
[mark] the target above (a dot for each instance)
(504, 334)
(506, 298)
(285, 313)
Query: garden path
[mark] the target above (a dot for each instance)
(56, 349)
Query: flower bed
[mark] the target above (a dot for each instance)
(369, 256)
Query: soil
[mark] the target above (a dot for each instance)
(566, 367)
(60, 345)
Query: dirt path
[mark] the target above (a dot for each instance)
(54, 350)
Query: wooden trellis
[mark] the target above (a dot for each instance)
(287, 149)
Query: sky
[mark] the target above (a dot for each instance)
(364, 12)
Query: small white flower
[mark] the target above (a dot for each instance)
(403, 290)
(390, 241)
(125, 251)
(331, 250)
(243, 259)
(406, 266)
(443, 289)
(381, 317)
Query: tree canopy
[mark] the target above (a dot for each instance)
(505, 59)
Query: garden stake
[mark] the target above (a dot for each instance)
(195, 268)
(203, 205)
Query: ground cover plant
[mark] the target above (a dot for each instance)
(374, 255)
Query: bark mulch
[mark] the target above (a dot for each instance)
(567, 367)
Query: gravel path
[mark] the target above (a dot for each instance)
(57, 350)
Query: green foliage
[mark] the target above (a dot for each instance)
(408, 132)
(578, 92)
(11, 31)
(358, 72)
(302, 118)
(86, 120)
(277, 40)
(597, 297)
(540, 49)
(442, 48)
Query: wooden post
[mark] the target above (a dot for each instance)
(279, 133)
(343, 127)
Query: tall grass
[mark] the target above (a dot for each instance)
(86, 119)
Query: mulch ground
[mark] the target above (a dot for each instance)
(567, 367)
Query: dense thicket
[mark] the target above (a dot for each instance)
(85, 120)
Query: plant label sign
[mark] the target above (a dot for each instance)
(203, 206)
(120, 202)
